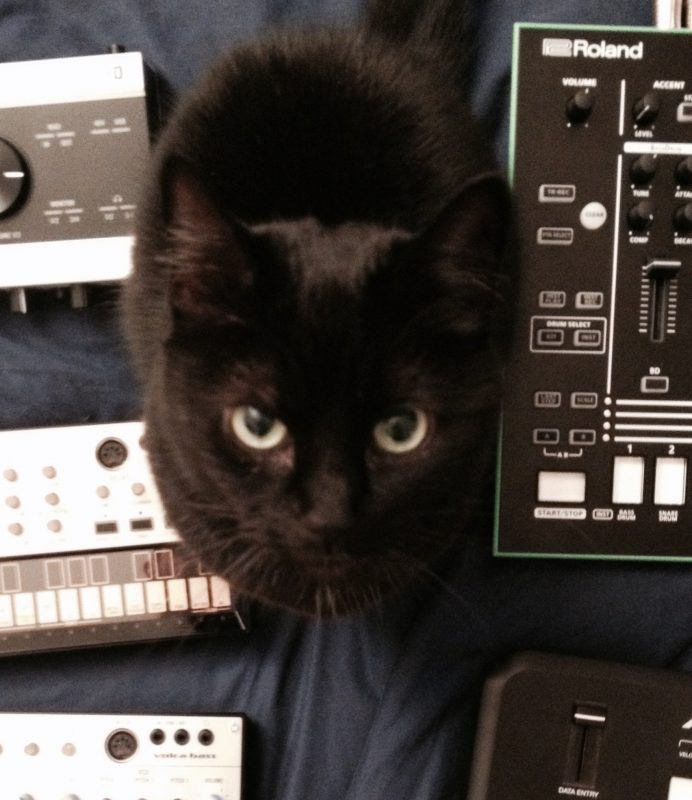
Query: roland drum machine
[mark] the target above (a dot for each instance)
(86, 554)
(596, 443)
(74, 141)
(121, 757)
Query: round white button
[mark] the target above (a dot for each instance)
(593, 216)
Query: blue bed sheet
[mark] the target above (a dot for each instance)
(380, 706)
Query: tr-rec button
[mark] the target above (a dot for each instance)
(557, 193)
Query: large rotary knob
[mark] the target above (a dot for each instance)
(579, 106)
(641, 215)
(683, 171)
(683, 218)
(643, 169)
(645, 109)
(14, 179)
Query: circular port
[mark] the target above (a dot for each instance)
(111, 453)
(157, 736)
(205, 737)
(181, 736)
(121, 745)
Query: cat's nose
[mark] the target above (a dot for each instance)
(327, 521)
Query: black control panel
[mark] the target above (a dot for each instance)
(596, 442)
(553, 727)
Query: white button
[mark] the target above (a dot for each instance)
(68, 605)
(24, 612)
(561, 487)
(112, 601)
(680, 789)
(593, 216)
(6, 615)
(199, 593)
(177, 594)
(134, 598)
(220, 592)
(628, 480)
(669, 485)
(155, 592)
(90, 598)
(46, 607)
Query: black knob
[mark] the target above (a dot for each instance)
(579, 106)
(682, 218)
(645, 110)
(14, 179)
(643, 169)
(641, 216)
(683, 171)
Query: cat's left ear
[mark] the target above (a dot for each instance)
(477, 225)
(212, 274)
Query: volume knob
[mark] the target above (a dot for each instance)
(14, 179)
(579, 106)
(641, 215)
(645, 110)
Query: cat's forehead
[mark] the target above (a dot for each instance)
(318, 256)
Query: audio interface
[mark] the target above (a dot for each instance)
(86, 553)
(596, 434)
(121, 757)
(574, 728)
(74, 141)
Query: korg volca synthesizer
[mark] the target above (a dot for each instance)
(597, 422)
(121, 757)
(87, 556)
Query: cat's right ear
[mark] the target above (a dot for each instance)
(208, 252)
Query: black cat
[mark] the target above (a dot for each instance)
(317, 310)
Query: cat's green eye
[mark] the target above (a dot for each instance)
(255, 429)
(402, 432)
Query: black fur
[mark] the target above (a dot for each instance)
(323, 239)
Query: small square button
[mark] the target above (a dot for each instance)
(547, 399)
(582, 436)
(583, 400)
(546, 436)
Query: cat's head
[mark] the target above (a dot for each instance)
(325, 412)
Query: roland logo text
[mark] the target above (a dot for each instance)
(582, 48)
